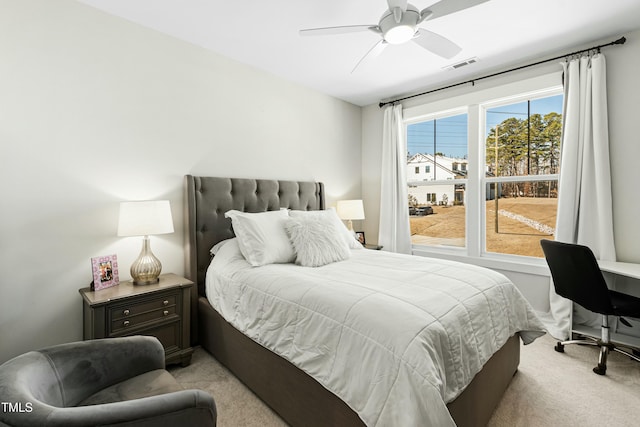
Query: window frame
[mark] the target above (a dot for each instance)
(463, 181)
(485, 180)
(475, 104)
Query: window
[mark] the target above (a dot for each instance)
(440, 144)
(522, 149)
(510, 161)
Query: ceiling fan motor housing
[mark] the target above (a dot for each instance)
(399, 31)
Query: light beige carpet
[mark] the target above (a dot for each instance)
(550, 389)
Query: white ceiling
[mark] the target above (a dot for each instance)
(264, 34)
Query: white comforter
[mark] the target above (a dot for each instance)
(394, 336)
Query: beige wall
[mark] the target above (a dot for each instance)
(95, 110)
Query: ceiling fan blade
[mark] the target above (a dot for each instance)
(338, 30)
(435, 43)
(447, 7)
(374, 52)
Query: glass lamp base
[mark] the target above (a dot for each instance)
(146, 268)
(146, 282)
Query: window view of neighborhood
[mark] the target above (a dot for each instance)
(436, 175)
(520, 179)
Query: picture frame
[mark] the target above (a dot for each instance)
(104, 270)
(360, 237)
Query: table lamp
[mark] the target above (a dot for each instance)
(144, 219)
(350, 210)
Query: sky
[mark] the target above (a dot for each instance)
(451, 132)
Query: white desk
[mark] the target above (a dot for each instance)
(623, 269)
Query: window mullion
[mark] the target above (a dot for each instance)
(475, 214)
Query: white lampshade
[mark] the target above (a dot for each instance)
(145, 218)
(350, 209)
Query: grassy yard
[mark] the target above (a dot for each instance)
(447, 225)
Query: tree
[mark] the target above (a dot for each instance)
(525, 147)
(552, 135)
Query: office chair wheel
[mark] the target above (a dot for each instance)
(600, 369)
(559, 348)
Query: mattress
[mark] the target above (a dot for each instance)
(396, 337)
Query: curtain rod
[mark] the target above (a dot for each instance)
(621, 40)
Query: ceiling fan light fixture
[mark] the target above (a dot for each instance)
(400, 34)
(396, 31)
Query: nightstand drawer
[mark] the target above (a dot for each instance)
(134, 308)
(128, 322)
(142, 311)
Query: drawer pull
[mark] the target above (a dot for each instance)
(166, 312)
(125, 312)
(125, 323)
(165, 302)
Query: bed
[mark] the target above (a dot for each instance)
(300, 398)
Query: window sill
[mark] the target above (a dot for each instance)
(527, 265)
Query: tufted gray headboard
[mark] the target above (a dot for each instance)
(208, 198)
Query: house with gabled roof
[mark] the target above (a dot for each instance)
(423, 168)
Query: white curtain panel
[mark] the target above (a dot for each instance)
(584, 195)
(393, 232)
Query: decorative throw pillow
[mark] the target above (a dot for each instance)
(331, 215)
(316, 240)
(262, 237)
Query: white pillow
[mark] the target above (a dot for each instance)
(316, 240)
(331, 214)
(216, 248)
(261, 236)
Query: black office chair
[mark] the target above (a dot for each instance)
(577, 276)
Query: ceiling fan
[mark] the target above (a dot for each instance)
(399, 24)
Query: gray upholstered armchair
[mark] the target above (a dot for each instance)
(115, 381)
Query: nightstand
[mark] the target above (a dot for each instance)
(374, 247)
(162, 310)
